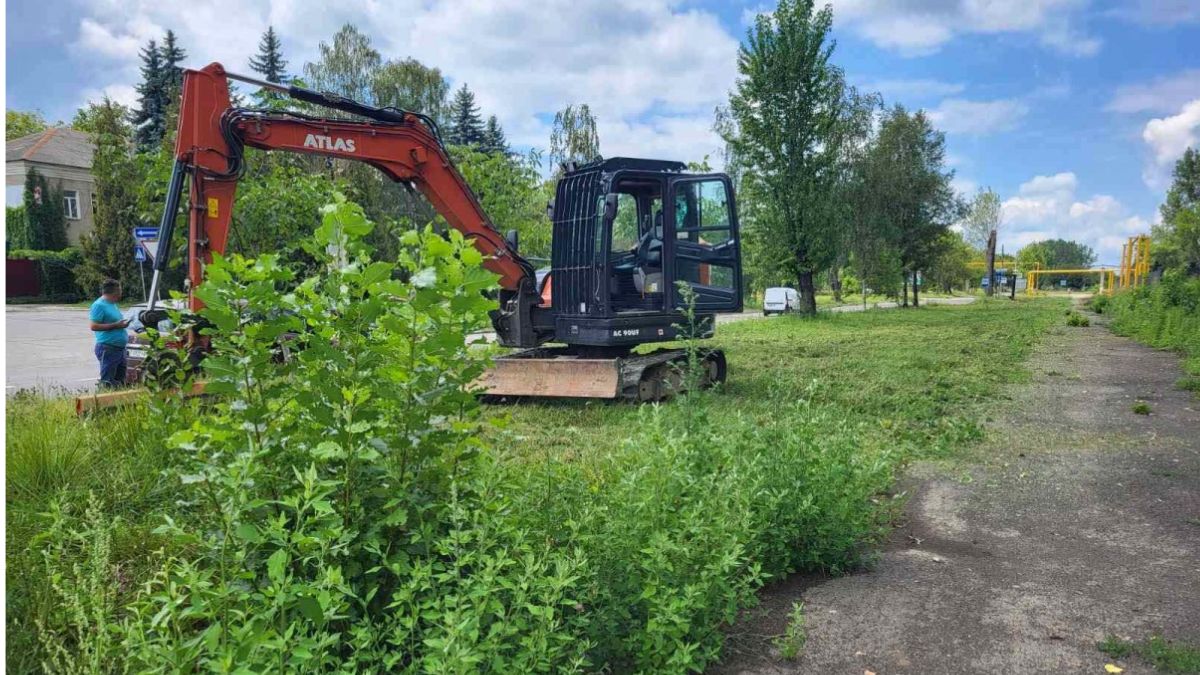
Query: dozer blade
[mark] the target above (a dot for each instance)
(556, 376)
(557, 373)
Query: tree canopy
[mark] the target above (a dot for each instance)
(19, 123)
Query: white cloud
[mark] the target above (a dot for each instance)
(1167, 138)
(919, 27)
(649, 69)
(977, 118)
(1162, 95)
(1169, 12)
(1046, 207)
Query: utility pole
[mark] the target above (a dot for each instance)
(991, 263)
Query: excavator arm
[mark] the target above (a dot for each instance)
(403, 145)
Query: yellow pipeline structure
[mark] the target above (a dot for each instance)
(1133, 272)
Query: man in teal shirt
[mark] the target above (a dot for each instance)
(109, 327)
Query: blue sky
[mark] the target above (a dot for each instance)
(1072, 110)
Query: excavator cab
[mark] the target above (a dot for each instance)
(626, 233)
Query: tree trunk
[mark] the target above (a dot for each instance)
(991, 263)
(835, 282)
(808, 295)
(904, 291)
(916, 298)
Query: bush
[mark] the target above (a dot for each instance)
(1099, 303)
(1077, 319)
(56, 272)
(1165, 315)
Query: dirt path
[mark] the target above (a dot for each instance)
(1082, 519)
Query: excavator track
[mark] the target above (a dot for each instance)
(561, 372)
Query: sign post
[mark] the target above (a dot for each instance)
(143, 240)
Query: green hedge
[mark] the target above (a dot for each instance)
(57, 272)
(1165, 315)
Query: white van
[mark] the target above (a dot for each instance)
(779, 300)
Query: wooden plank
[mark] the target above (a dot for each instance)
(110, 399)
(565, 377)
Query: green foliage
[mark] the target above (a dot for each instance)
(341, 517)
(149, 119)
(1164, 655)
(1176, 242)
(1185, 188)
(791, 643)
(44, 226)
(1141, 408)
(789, 89)
(949, 269)
(574, 137)
(493, 137)
(466, 126)
(409, 84)
(269, 61)
(983, 216)
(1077, 319)
(1164, 315)
(512, 193)
(108, 249)
(18, 123)
(16, 227)
(278, 207)
(1057, 254)
(56, 272)
(1099, 303)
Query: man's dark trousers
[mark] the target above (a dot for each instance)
(112, 365)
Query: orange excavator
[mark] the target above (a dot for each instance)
(626, 232)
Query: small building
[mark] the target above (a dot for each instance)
(64, 156)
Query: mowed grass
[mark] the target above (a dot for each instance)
(916, 377)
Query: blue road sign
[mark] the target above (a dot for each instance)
(145, 233)
(139, 254)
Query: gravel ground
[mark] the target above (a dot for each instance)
(1079, 519)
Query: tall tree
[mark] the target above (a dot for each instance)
(148, 119)
(108, 248)
(466, 126)
(45, 225)
(1056, 254)
(1177, 238)
(409, 84)
(18, 123)
(347, 65)
(789, 103)
(574, 137)
(172, 72)
(269, 61)
(982, 217)
(921, 202)
(494, 141)
(1185, 189)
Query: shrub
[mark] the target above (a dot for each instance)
(341, 515)
(1165, 315)
(1077, 319)
(1099, 303)
(56, 271)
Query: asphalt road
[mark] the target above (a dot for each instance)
(49, 347)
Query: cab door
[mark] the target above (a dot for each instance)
(702, 244)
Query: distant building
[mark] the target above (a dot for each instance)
(64, 157)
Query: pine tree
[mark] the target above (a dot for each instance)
(107, 249)
(494, 141)
(172, 73)
(466, 126)
(148, 119)
(269, 61)
(45, 217)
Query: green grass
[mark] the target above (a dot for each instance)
(677, 512)
(791, 643)
(1165, 315)
(1164, 655)
(914, 377)
(1141, 408)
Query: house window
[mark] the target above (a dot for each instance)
(71, 204)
